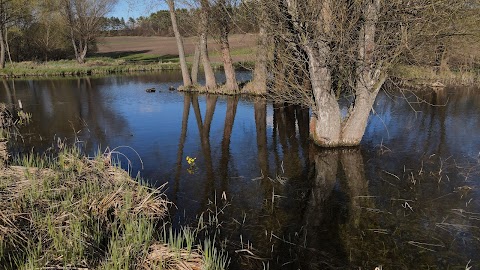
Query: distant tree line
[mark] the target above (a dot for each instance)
(42, 30)
(159, 23)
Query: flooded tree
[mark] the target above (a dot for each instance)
(84, 20)
(210, 82)
(181, 53)
(258, 85)
(10, 11)
(223, 21)
(344, 48)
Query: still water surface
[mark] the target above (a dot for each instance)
(408, 198)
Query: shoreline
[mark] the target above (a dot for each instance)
(93, 66)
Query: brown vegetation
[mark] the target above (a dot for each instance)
(165, 46)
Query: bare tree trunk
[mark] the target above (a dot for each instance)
(369, 80)
(196, 63)
(181, 53)
(2, 49)
(259, 83)
(260, 72)
(210, 82)
(223, 21)
(83, 52)
(7, 47)
(231, 80)
(327, 127)
(326, 118)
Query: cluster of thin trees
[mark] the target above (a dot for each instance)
(312, 52)
(159, 23)
(49, 29)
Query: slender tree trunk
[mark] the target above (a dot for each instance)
(196, 63)
(181, 54)
(2, 48)
(82, 53)
(7, 47)
(210, 82)
(74, 46)
(231, 80)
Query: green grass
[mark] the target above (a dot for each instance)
(425, 75)
(93, 66)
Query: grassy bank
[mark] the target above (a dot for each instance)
(93, 66)
(99, 66)
(74, 212)
(425, 75)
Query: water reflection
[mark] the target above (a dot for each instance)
(407, 199)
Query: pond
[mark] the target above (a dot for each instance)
(408, 198)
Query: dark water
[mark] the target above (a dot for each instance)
(408, 198)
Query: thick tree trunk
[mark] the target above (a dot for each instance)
(327, 128)
(259, 83)
(210, 82)
(325, 124)
(370, 79)
(196, 63)
(181, 53)
(231, 80)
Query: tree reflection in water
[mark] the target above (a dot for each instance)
(412, 206)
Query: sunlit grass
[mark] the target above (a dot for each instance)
(422, 75)
(70, 211)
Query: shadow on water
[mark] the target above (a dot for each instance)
(407, 199)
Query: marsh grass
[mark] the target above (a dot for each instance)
(74, 212)
(93, 66)
(418, 76)
(426, 208)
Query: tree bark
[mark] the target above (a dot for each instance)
(223, 20)
(181, 53)
(370, 78)
(325, 123)
(196, 63)
(210, 82)
(327, 128)
(231, 80)
(259, 83)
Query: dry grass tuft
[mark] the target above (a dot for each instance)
(162, 254)
(71, 213)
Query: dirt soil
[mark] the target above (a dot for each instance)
(242, 46)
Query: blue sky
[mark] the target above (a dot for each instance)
(136, 8)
